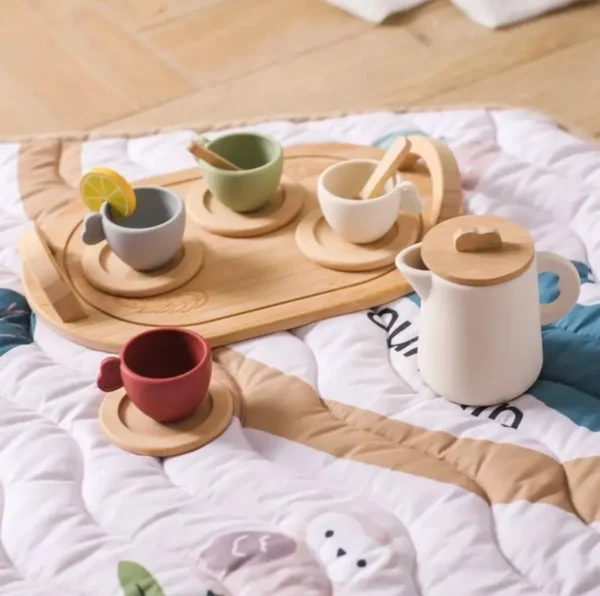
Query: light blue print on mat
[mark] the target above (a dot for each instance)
(414, 297)
(15, 321)
(386, 141)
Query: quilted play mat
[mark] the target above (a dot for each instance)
(341, 472)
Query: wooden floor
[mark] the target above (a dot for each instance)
(114, 64)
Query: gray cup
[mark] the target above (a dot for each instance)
(148, 238)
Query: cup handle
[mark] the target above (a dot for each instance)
(92, 231)
(410, 198)
(109, 378)
(569, 285)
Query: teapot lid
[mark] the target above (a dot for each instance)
(478, 250)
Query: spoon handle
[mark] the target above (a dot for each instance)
(210, 157)
(389, 163)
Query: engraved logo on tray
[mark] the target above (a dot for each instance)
(183, 303)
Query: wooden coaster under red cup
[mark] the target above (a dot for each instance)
(159, 402)
(130, 429)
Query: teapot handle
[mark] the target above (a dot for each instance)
(569, 285)
(410, 198)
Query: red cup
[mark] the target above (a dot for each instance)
(165, 371)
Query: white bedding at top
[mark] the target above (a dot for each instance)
(426, 498)
(489, 13)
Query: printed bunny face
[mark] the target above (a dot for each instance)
(345, 549)
(255, 563)
(232, 551)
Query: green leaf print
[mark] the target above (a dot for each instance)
(137, 581)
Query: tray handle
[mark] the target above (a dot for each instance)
(40, 262)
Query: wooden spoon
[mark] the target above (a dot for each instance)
(388, 165)
(210, 157)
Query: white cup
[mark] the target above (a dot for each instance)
(363, 221)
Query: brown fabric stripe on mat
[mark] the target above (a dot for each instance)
(47, 171)
(583, 475)
(286, 406)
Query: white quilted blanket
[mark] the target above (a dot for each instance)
(347, 475)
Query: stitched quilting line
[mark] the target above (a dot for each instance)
(130, 545)
(258, 522)
(562, 485)
(379, 335)
(564, 172)
(308, 482)
(354, 497)
(158, 467)
(494, 536)
(584, 190)
(41, 585)
(194, 498)
(300, 477)
(46, 421)
(326, 408)
(564, 480)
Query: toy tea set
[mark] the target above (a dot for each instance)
(258, 239)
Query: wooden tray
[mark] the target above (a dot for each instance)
(247, 287)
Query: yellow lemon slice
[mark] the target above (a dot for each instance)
(103, 184)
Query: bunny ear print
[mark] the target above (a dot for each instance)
(109, 378)
(137, 581)
(476, 239)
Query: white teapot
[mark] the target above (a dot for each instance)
(480, 339)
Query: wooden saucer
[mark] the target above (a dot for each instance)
(323, 246)
(208, 212)
(107, 273)
(129, 428)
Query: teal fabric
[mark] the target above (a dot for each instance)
(570, 378)
(15, 321)
(385, 141)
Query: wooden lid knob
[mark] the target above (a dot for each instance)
(477, 238)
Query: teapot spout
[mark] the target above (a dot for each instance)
(410, 264)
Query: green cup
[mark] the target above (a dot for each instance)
(255, 185)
